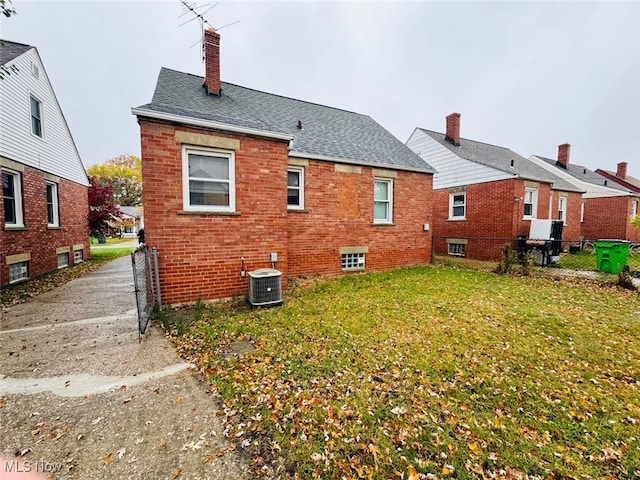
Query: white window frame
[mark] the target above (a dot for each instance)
(230, 155)
(39, 117)
(17, 200)
(464, 206)
(582, 212)
(78, 256)
(300, 188)
(562, 209)
(388, 219)
(55, 220)
(353, 262)
(533, 192)
(634, 208)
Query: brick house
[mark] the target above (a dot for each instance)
(486, 196)
(44, 184)
(233, 175)
(607, 205)
(621, 177)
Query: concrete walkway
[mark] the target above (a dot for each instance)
(82, 398)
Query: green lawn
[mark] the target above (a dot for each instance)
(432, 372)
(110, 241)
(587, 260)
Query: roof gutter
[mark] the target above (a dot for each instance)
(198, 122)
(363, 163)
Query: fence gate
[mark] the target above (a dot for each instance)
(146, 282)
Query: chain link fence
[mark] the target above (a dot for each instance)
(491, 248)
(146, 282)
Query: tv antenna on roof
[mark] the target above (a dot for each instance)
(197, 15)
(193, 9)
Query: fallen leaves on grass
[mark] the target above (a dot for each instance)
(430, 373)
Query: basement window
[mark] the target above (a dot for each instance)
(77, 256)
(63, 260)
(18, 271)
(457, 247)
(352, 262)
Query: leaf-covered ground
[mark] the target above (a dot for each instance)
(428, 373)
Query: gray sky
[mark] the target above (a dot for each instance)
(524, 75)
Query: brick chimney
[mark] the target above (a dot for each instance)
(453, 129)
(622, 170)
(212, 61)
(563, 155)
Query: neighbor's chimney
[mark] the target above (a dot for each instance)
(212, 61)
(563, 155)
(622, 170)
(453, 128)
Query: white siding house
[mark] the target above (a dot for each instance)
(54, 150)
(452, 170)
(44, 208)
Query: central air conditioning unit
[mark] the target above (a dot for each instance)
(265, 287)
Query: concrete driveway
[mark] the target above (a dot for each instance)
(81, 398)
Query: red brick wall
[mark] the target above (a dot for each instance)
(572, 227)
(199, 255)
(36, 238)
(339, 213)
(608, 217)
(493, 217)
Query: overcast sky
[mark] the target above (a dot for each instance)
(528, 76)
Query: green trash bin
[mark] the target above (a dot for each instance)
(611, 255)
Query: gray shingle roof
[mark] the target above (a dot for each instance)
(501, 158)
(11, 50)
(326, 131)
(586, 175)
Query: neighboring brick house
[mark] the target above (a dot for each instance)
(607, 205)
(233, 175)
(621, 177)
(44, 184)
(486, 196)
